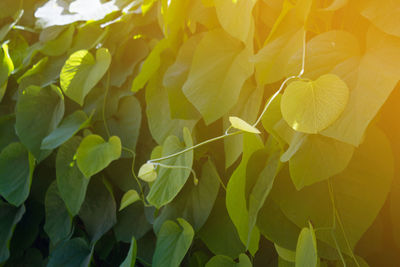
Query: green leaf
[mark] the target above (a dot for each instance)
(283, 41)
(173, 241)
(158, 111)
(58, 223)
(131, 257)
(379, 68)
(262, 187)
(359, 191)
(67, 128)
(128, 198)
(71, 253)
(9, 217)
(236, 203)
(44, 73)
(198, 259)
(147, 172)
(88, 36)
(240, 124)
(324, 52)
(213, 87)
(71, 182)
(310, 107)
(60, 44)
(219, 233)
(150, 65)
(7, 131)
(16, 169)
(272, 60)
(306, 250)
(18, 49)
(98, 211)
(132, 222)
(39, 110)
(171, 180)
(176, 75)
(296, 142)
(6, 68)
(280, 230)
(228, 9)
(317, 159)
(224, 261)
(128, 56)
(81, 72)
(94, 154)
(126, 122)
(195, 202)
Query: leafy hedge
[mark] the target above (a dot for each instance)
(199, 133)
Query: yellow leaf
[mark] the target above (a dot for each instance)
(240, 124)
(311, 106)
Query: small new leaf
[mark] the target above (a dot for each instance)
(240, 124)
(147, 172)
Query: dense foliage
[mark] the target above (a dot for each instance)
(199, 133)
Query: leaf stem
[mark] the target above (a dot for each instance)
(337, 216)
(179, 167)
(195, 146)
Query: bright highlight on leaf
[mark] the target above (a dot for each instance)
(129, 198)
(147, 172)
(82, 72)
(312, 106)
(240, 124)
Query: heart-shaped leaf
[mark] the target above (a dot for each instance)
(39, 110)
(81, 72)
(311, 106)
(147, 172)
(172, 243)
(94, 154)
